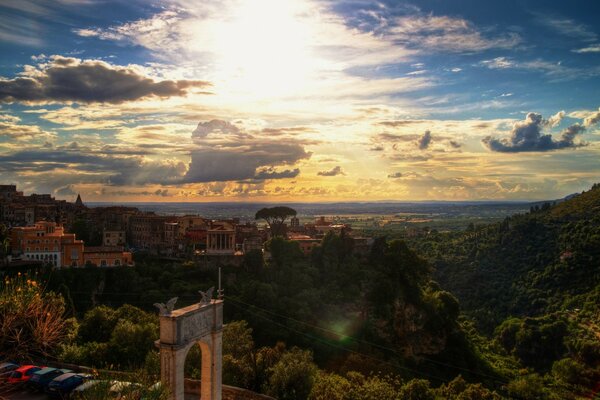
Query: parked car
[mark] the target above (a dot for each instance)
(125, 390)
(93, 385)
(8, 366)
(62, 386)
(23, 373)
(43, 377)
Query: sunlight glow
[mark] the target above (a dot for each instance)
(263, 48)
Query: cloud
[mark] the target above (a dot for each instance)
(424, 141)
(65, 191)
(215, 127)
(592, 119)
(448, 34)
(569, 27)
(74, 163)
(556, 119)
(498, 63)
(395, 175)
(67, 79)
(557, 71)
(528, 135)
(9, 127)
(337, 170)
(224, 152)
(590, 49)
(271, 173)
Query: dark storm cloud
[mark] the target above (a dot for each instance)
(528, 135)
(273, 174)
(424, 141)
(592, 119)
(225, 153)
(133, 170)
(337, 170)
(91, 81)
(391, 137)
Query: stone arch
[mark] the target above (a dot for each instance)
(199, 324)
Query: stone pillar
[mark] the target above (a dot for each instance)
(211, 372)
(172, 362)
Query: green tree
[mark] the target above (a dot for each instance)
(275, 217)
(330, 387)
(32, 321)
(529, 387)
(417, 389)
(130, 342)
(4, 243)
(293, 376)
(97, 325)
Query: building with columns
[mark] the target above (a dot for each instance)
(220, 239)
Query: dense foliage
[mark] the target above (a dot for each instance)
(378, 326)
(532, 282)
(32, 321)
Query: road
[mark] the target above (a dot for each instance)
(18, 392)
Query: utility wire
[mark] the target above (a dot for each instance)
(318, 339)
(231, 299)
(363, 341)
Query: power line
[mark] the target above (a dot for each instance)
(345, 348)
(363, 341)
(231, 299)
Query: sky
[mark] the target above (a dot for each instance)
(300, 100)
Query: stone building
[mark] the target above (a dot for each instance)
(220, 238)
(47, 242)
(107, 256)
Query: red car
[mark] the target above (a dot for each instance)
(22, 374)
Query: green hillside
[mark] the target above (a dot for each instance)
(545, 261)
(531, 284)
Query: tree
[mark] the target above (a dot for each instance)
(32, 322)
(4, 243)
(275, 217)
(293, 376)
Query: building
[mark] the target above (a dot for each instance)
(306, 242)
(252, 243)
(9, 192)
(47, 242)
(114, 238)
(147, 231)
(220, 238)
(107, 256)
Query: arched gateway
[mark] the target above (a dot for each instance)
(199, 324)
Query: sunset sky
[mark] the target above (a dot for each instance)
(298, 100)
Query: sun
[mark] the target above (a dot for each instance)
(263, 48)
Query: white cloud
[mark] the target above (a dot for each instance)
(590, 49)
(444, 33)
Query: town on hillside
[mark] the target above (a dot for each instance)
(46, 231)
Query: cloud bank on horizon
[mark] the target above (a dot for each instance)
(299, 100)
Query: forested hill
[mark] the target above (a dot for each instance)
(545, 261)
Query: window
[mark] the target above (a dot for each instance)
(103, 263)
(117, 262)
